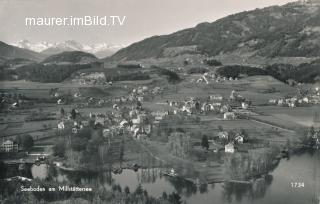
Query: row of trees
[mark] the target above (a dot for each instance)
(122, 74)
(306, 72)
(52, 73)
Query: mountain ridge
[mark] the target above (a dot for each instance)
(71, 57)
(10, 52)
(291, 30)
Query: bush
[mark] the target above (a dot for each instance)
(25, 141)
(48, 73)
(197, 70)
(122, 74)
(213, 62)
(172, 76)
(78, 144)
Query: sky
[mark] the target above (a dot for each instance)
(144, 18)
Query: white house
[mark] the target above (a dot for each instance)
(280, 102)
(99, 120)
(244, 105)
(136, 121)
(223, 135)
(145, 88)
(186, 109)
(217, 97)
(229, 148)
(273, 101)
(123, 123)
(14, 105)
(59, 102)
(76, 95)
(115, 106)
(136, 131)
(140, 98)
(239, 139)
(229, 116)
(61, 126)
(9, 146)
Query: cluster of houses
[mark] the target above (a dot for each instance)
(10, 101)
(193, 106)
(134, 120)
(295, 101)
(211, 77)
(231, 140)
(215, 103)
(138, 94)
(143, 91)
(140, 123)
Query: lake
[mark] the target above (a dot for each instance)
(295, 180)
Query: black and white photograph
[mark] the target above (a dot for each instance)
(159, 102)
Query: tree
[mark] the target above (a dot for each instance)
(73, 114)
(311, 131)
(175, 198)
(213, 62)
(291, 82)
(139, 190)
(3, 171)
(116, 188)
(19, 139)
(25, 141)
(164, 196)
(79, 144)
(62, 112)
(97, 137)
(205, 142)
(59, 149)
(244, 134)
(127, 190)
(316, 117)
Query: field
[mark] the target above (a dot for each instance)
(301, 116)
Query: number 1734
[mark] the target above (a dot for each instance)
(297, 184)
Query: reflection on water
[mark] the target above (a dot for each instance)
(236, 192)
(39, 171)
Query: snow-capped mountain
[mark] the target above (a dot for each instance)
(37, 47)
(101, 50)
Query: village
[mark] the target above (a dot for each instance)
(156, 120)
